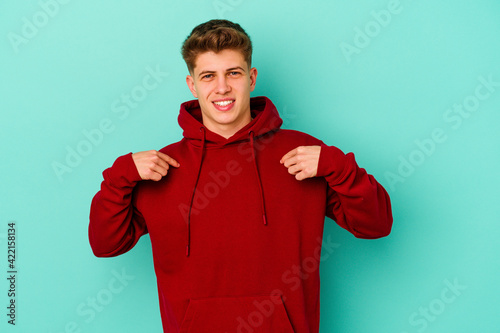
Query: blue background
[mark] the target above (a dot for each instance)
(375, 85)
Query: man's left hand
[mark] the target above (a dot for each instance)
(302, 161)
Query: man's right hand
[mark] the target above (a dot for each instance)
(152, 164)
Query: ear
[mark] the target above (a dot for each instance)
(190, 83)
(253, 78)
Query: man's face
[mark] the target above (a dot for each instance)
(222, 82)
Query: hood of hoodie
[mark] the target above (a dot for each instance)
(265, 120)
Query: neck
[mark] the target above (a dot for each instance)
(228, 131)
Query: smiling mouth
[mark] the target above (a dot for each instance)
(224, 103)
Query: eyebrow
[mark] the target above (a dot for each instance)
(227, 70)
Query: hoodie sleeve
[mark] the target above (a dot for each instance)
(115, 224)
(355, 200)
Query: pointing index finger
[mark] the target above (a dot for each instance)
(168, 159)
(291, 153)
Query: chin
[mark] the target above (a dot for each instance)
(225, 121)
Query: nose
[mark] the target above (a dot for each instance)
(222, 85)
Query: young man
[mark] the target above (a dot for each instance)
(235, 210)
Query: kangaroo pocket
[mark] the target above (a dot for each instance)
(242, 314)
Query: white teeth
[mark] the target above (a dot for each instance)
(223, 103)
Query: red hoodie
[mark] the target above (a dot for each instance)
(236, 239)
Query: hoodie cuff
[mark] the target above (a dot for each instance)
(332, 163)
(123, 172)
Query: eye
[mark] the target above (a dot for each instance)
(207, 76)
(234, 73)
